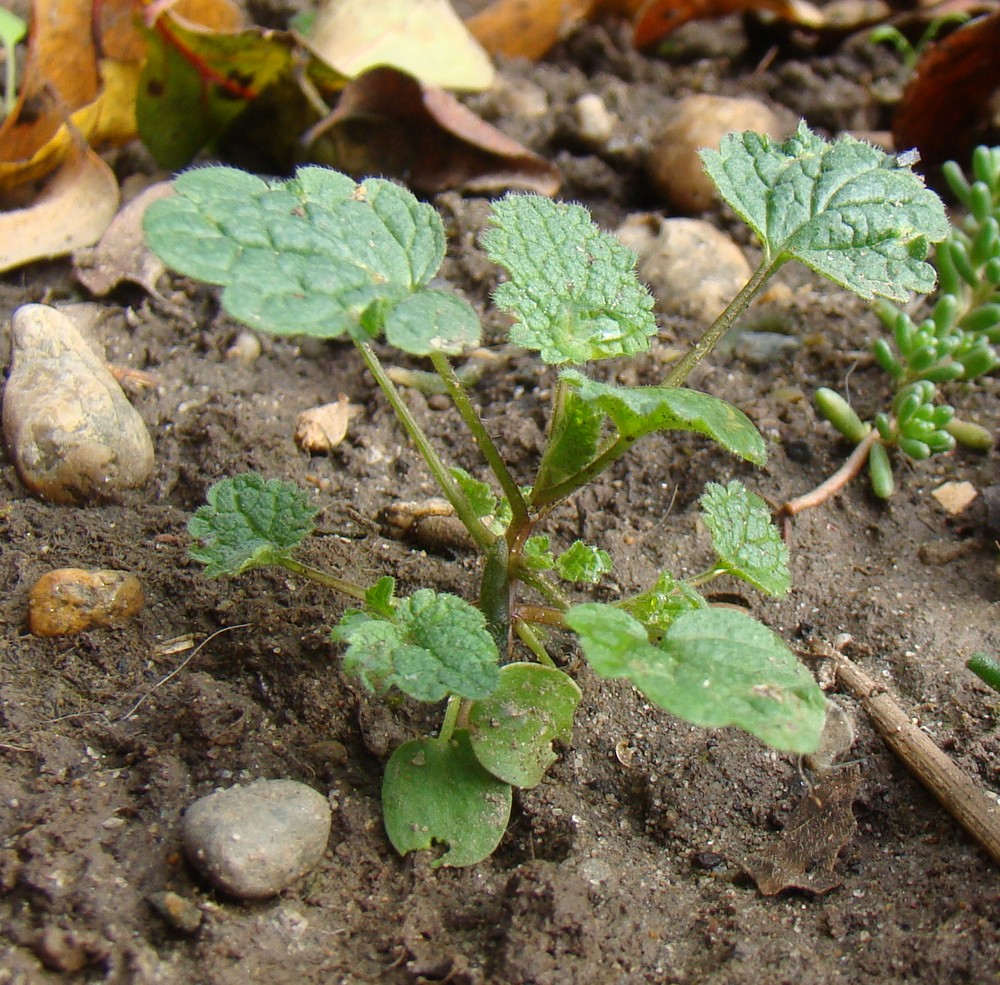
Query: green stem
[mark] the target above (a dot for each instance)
(613, 451)
(324, 578)
(474, 423)
(542, 615)
(445, 480)
(697, 581)
(450, 718)
(530, 639)
(541, 583)
(723, 323)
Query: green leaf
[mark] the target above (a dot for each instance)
(658, 607)
(433, 646)
(637, 411)
(437, 793)
(583, 562)
(747, 542)
(844, 209)
(315, 255)
(573, 289)
(536, 555)
(379, 598)
(249, 522)
(512, 730)
(481, 497)
(195, 83)
(573, 439)
(713, 667)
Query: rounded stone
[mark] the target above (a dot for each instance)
(253, 841)
(70, 430)
(71, 600)
(691, 268)
(674, 166)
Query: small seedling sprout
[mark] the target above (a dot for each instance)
(320, 255)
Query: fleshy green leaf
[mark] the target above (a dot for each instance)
(512, 730)
(433, 646)
(747, 542)
(637, 411)
(437, 793)
(713, 667)
(249, 522)
(658, 607)
(846, 209)
(314, 255)
(583, 563)
(573, 289)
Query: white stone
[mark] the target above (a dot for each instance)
(251, 842)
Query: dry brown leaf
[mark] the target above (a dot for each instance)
(81, 76)
(528, 28)
(805, 853)
(122, 253)
(425, 38)
(948, 98)
(388, 123)
(73, 211)
(320, 429)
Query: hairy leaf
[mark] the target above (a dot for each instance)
(249, 522)
(713, 667)
(637, 411)
(573, 289)
(660, 605)
(512, 730)
(583, 563)
(434, 645)
(747, 542)
(437, 793)
(314, 255)
(845, 209)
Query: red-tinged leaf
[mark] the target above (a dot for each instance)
(196, 82)
(948, 99)
(652, 20)
(389, 123)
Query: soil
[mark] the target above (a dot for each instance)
(625, 865)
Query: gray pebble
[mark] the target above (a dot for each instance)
(69, 428)
(253, 841)
(764, 348)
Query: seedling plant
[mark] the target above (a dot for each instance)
(320, 255)
(955, 342)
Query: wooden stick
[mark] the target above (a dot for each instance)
(959, 794)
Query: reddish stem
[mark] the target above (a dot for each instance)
(828, 489)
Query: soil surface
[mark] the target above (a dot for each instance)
(626, 864)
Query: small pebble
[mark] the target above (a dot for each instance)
(182, 914)
(69, 428)
(764, 348)
(251, 842)
(71, 600)
(692, 269)
(673, 164)
(594, 123)
(955, 497)
(246, 348)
